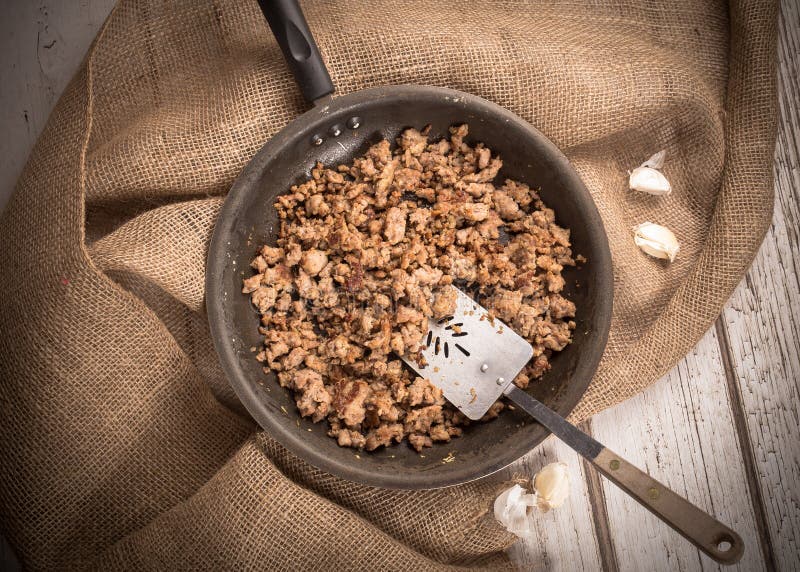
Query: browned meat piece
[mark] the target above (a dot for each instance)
(506, 207)
(407, 179)
(463, 268)
(422, 392)
(383, 436)
(276, 350)
(405, 314)
(316, 206)
(475, 211)
(540, 365)
(420, 420)
(271, 254)
(385, 179)
(444, 304)
(439, 433)
(413, 140)
(484, 155)
(520, 192)
(428, 276)
(560, 307)
(251, 284)
(296, 357)
(457, 135)
(526, 318)
(522, 380)
(279, 276)
(419, 218)
(555, 282)
(487, 174)
(313, 261)
(293, 254)
(395, 226)
(259, 264)
(419, 442)
(350, 438)
(306, 287)
(380, 153)
(349, 401)
(314, 399)
(365, 256)
(494, 411)
(506, 305)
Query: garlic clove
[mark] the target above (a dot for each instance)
(650, 181)
(511, 510)
(552, 486)
(656, 161)
(656, 240)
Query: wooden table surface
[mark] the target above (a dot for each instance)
(722, 428)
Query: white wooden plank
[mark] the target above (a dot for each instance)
(762, 324)
(41, 45)
(564, 538)
(681, 431)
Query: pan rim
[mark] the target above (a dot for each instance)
(245, 388)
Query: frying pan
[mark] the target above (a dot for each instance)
(334, 131)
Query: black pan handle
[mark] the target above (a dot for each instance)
(299, 48)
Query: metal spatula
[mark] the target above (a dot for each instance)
(474, 358)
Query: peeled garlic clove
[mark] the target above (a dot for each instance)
(552, 486)
(656, 240)
(649, 180)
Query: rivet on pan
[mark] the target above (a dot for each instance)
(484, 367)
(354, 122)
(500, 381)
(317, 140)
(614, 465)
(335, 131)
(653, 493)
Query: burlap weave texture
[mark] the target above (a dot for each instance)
(123, 446)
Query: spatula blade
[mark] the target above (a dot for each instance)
(472, 358)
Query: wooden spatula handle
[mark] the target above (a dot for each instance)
(708, 534)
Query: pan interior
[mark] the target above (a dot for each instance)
(248, 220)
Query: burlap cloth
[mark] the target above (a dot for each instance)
(122, 445)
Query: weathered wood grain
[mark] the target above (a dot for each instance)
(681, 431)
(41, 45)
(761, 325)
(564, 538)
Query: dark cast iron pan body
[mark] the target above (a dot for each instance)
(248, 220)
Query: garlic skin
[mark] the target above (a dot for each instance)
(511, 510)
(552, 486)
(648, 179)
(656, 161)
(656, 240)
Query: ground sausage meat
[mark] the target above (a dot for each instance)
(365, 256)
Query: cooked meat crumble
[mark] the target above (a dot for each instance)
(366, 255)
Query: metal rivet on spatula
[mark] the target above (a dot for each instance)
(500, 381)
(484, 367)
